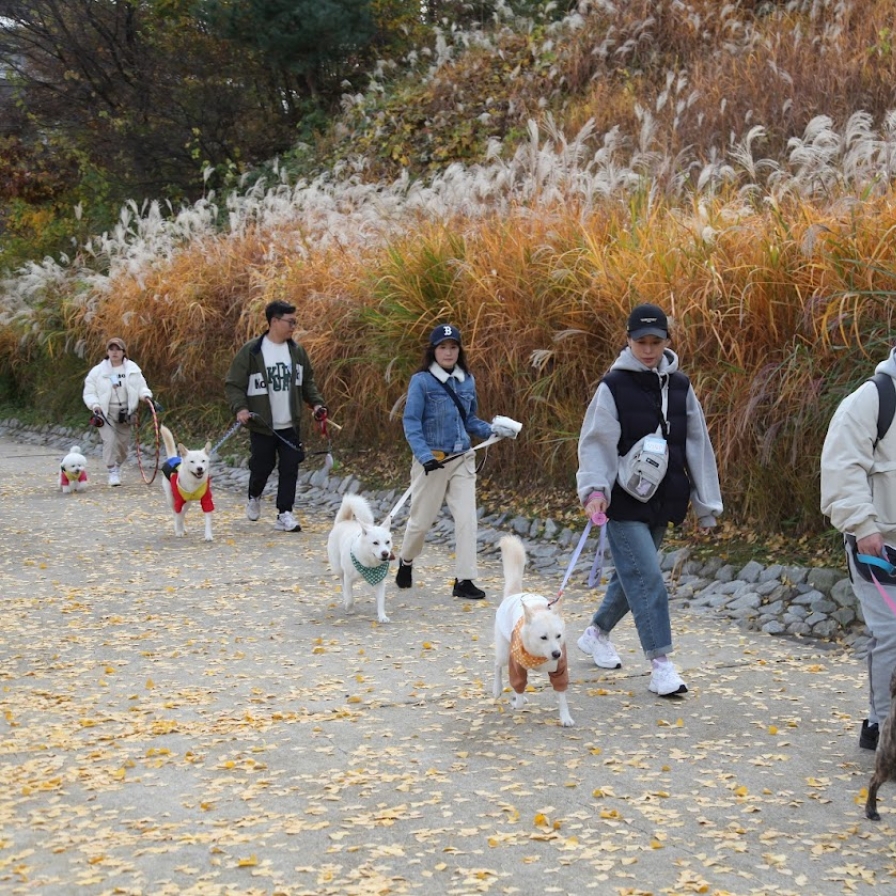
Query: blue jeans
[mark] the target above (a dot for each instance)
(637, 585)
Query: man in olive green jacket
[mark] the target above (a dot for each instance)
(263, 386)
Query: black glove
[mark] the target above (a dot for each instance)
(321, 413)
(157, 405)
(432, 465)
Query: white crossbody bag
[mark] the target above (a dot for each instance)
(643, 468)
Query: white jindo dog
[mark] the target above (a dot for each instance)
(187, 479)
(73, 471)
(529, 634)
(359, 550)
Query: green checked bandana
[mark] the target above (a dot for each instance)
(373, 575)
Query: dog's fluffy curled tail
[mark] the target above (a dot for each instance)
(513, 559)
(168, 439)
(355, 507)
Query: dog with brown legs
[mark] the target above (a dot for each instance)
(885, 757)
(529, 634)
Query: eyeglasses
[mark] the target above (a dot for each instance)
(114, 348)
(289, 321)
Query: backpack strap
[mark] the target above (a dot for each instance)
(886, 393)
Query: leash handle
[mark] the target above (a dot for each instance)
(873, 560)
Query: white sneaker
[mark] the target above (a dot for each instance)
(604, 653)
(114, 476)
(253, 509)
(587, 640)
(286, 522)
(665, 681)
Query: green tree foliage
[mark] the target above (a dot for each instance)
(104, 101)
(319, 41)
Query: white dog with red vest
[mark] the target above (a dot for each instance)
(529, 634)
(73, 471)
(186, 478)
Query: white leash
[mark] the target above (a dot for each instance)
(387, 522)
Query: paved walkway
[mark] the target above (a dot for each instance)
(189, 717)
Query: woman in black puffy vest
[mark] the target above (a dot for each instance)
(644, 395)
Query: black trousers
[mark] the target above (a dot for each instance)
(266, 452)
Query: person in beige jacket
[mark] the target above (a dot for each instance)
(858, 493)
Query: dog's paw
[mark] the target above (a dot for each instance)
(383, 618)
(566, 721)
(209, 537)
(519, 701)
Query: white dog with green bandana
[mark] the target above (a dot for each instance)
(359, 550)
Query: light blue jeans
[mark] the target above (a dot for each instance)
(637, 585)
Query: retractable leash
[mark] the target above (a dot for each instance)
(887, 567)
(599, 519)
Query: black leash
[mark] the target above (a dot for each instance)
(296, 448)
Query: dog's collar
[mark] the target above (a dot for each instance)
(373, 575)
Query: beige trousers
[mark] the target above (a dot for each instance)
(116, 442)
(456, 484)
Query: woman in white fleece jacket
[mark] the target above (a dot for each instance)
(858, 493)
(113, 390)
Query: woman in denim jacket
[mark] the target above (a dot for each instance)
(439, 418)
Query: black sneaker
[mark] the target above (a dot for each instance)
(868, 737)
(404, 578)
(465, 588)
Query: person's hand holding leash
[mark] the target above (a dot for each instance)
(320, 413)
(596, 507)
(244, 415)
(873, 545)
(432, 465)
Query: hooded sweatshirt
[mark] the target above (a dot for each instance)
(858, 481)
(600, 442)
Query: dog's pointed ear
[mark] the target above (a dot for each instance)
(182, 449)
(528, 612)
(208, 447)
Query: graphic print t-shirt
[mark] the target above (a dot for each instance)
(277, 363)
(119, 400)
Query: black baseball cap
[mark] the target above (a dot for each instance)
(648, 320)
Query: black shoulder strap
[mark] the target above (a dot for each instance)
(454, 398)
(886, 393)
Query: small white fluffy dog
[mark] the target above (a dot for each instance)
(529, 634)
(187, 479)
(359, 550)
(73, 471)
